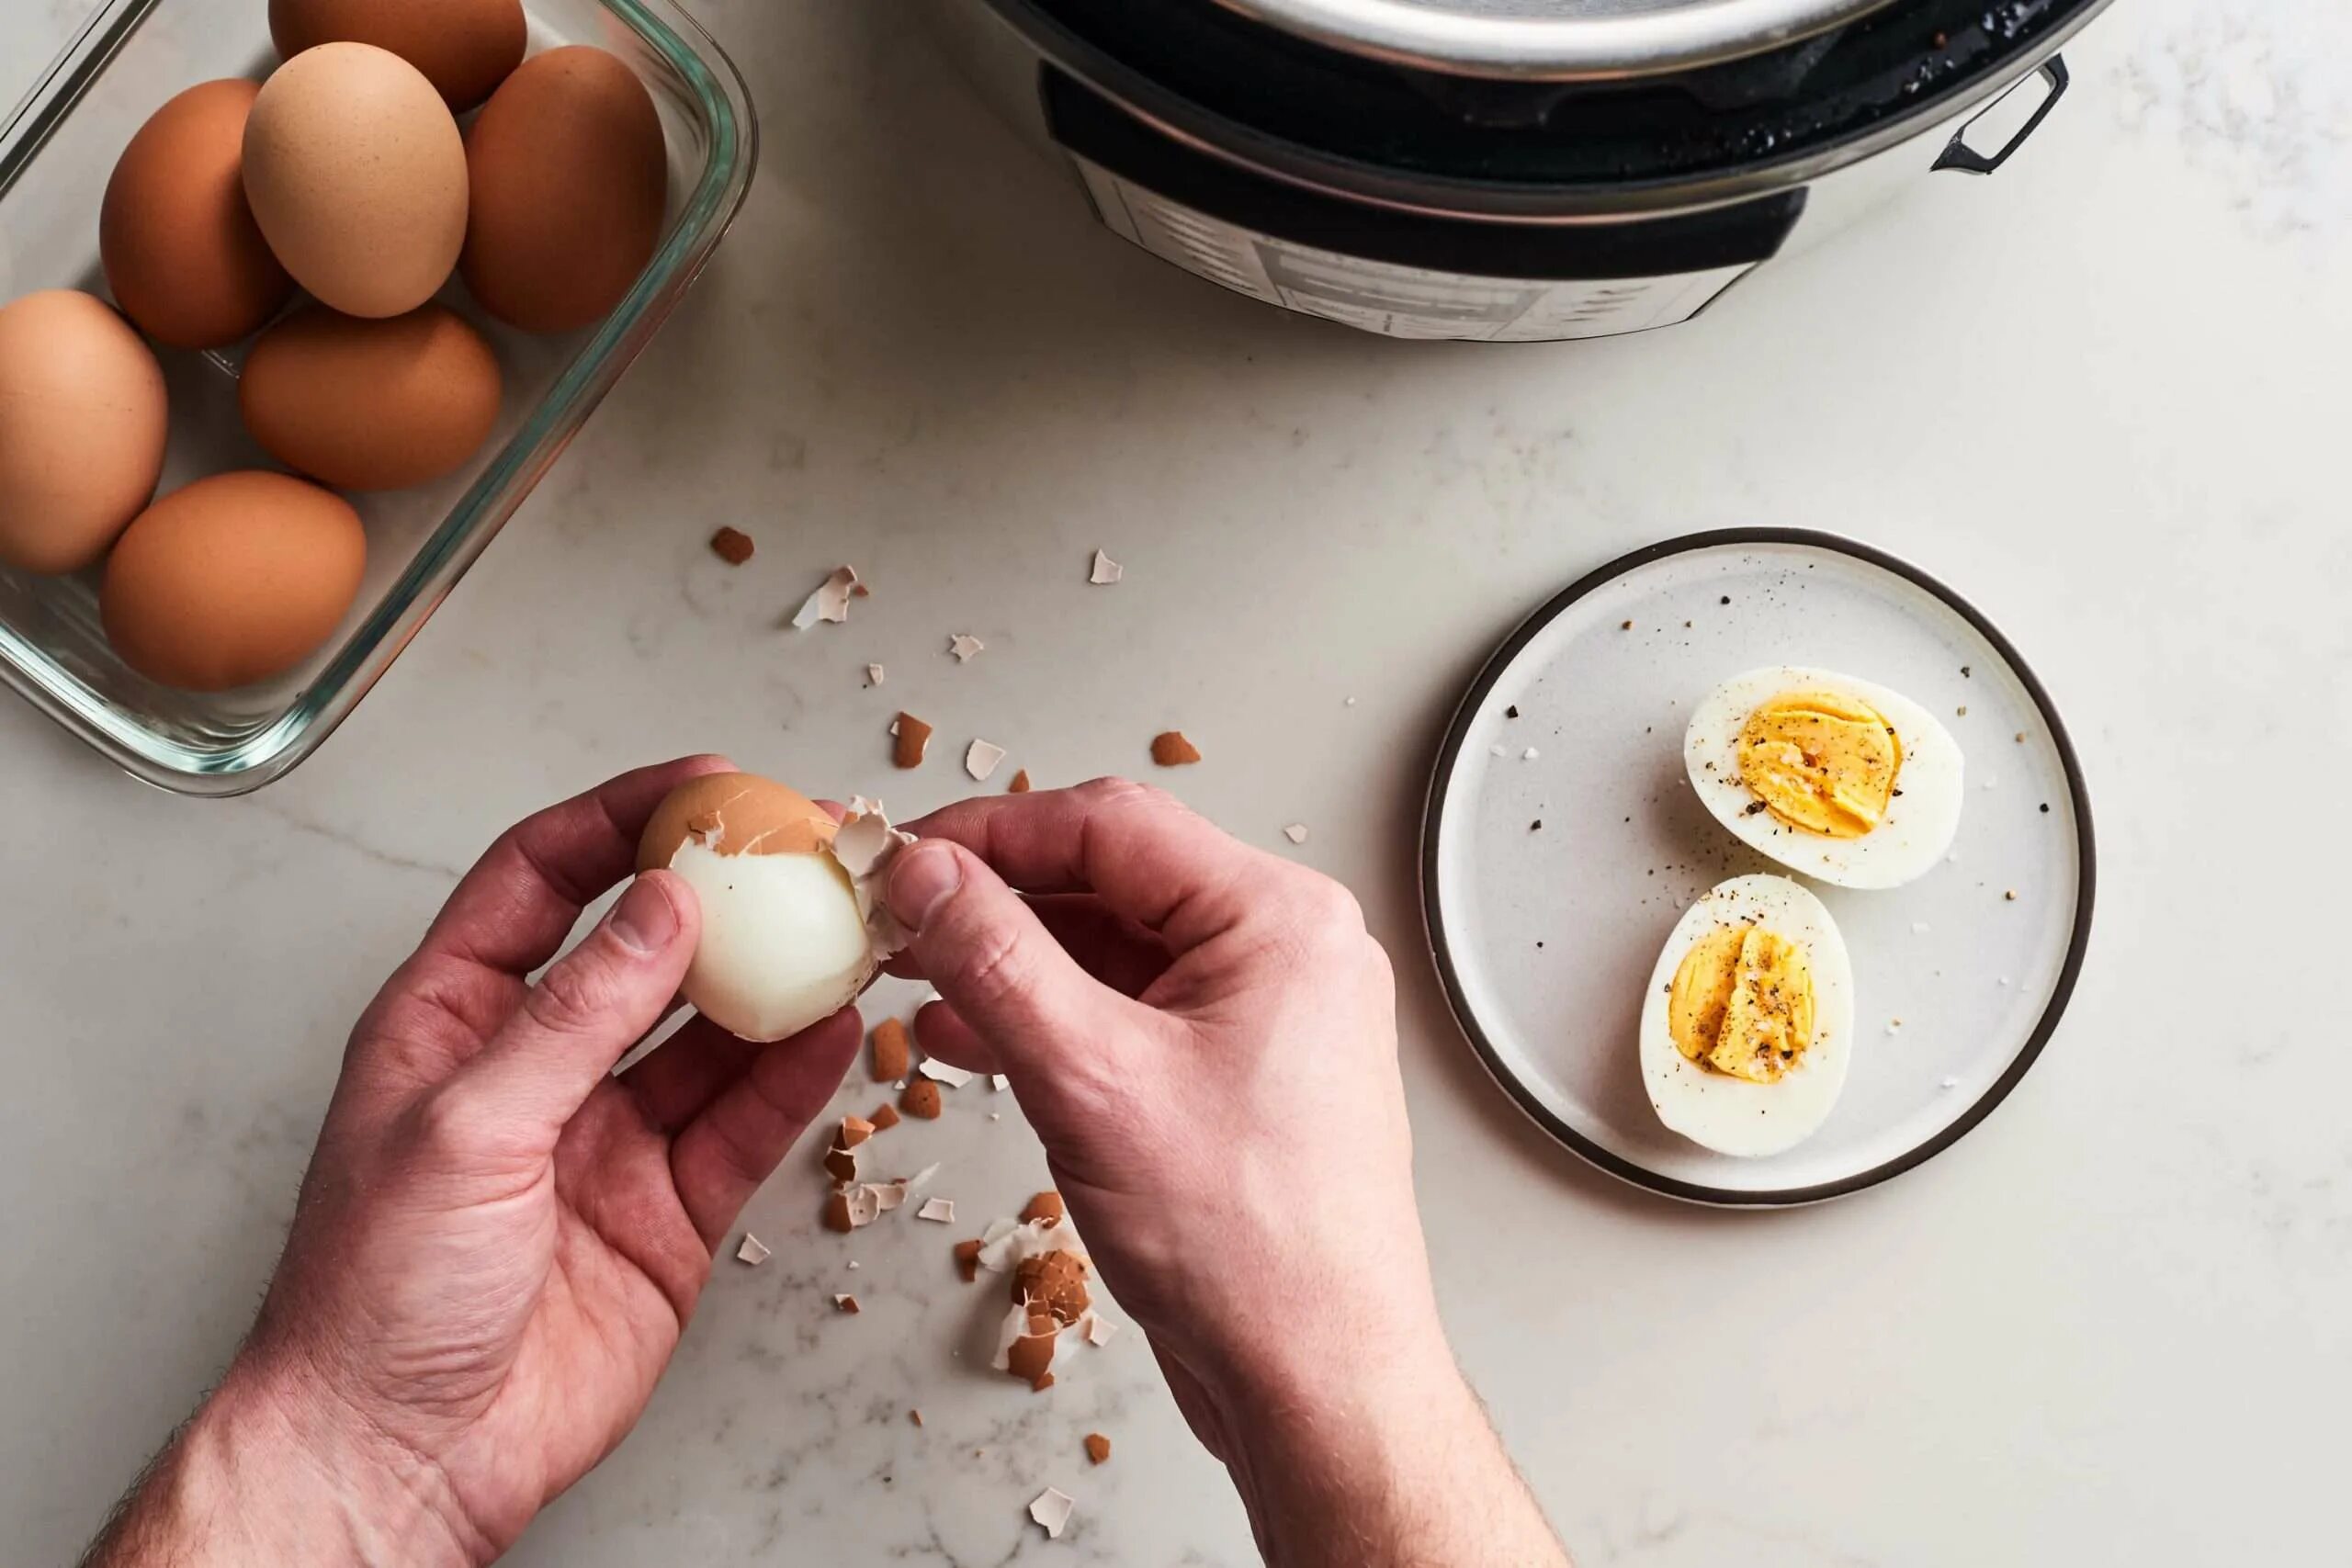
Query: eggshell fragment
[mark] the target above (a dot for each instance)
(1045, 1208)
(570, 180)
(1098, 1447)
(357, 175)
(232, 580)
(753, 1251)
(1104, 570)
(465, 48)
(920, 1100)
(1020, 784)
(893, 1052)
(1171, 749)
(369, 405)
(182, 255)
(732, 546)
(1052, 1510)
(913, 738)
(846, 1304)
(1055, 1281)
(884, 1116)
(968, 1260)
(83, 423)
(941, 1209)
(944, 1072)
(981, 759)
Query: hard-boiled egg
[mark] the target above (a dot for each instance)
(792, 924)
(1836, 777)
(1748, 1024)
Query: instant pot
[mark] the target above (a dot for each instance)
(1508, 170)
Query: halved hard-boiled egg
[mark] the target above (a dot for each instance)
(1834, 776)
(1748, 1024)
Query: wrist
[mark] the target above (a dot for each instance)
(272, 1472)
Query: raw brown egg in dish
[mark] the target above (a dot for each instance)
(371, 404)
(181, 249)
(232, 580)
(466, 48)
(792, 927)
(83, 422)
(357, 173)
(571, 183)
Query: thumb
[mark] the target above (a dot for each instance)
(585, 1012)
(993, 961)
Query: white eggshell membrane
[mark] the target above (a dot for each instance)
(1917, 829)
(783, 943)
(1730, 1115)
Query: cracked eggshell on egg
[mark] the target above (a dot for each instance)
(785, 938)
(1730, 1115)
(1920, 820)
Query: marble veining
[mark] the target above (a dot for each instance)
(2091, 392)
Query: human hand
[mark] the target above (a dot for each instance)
(498, 1242)
(1204, 1038)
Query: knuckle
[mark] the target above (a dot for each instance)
(997, 964)
(450, 1122)
(1115, 793)
(1328, 907)
(570, 996)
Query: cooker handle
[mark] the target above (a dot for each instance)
(1958, 154)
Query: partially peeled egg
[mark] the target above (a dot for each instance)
(793, 925)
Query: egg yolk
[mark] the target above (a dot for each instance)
(1821, 760)
(1742, 1003)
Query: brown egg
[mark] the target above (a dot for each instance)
(182, 252)
(734, 814)
(371, 405)
(232, 580)
(357, 173)
(571, 178)
(464, 47)
(83, 420)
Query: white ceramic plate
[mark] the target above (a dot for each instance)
(1545, 936)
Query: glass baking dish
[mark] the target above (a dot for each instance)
(57, 149)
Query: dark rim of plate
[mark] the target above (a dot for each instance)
(1441, 777)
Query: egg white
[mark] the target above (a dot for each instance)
(1730, 1115)
(783, 943)
(1920, 820)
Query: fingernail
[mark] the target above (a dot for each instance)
(645, 919)
(924, 874)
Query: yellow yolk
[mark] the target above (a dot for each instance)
(1742, 1003)
(1821, 760)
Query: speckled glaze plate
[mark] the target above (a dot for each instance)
(1562, 841)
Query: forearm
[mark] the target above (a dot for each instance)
(1393, 1468)
(254, 1478)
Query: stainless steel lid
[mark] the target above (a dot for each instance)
(1555, 39)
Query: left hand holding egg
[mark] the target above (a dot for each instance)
(500, 1241)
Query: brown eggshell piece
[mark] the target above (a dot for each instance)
(232, 580)
(1031, 1357)
(371, 404)
(967, 1259)
(1053, 1282)
(1047, 1206)
(182, 255)
(911, 736)
(921, 1100)
(357, 173)
(1098, 1447)
(84, 417)
(884, 1116)
(1169, 749)
(893, 1052)
(465, 48)
(734, 814)
(570, 181)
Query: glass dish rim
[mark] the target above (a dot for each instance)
(724, 101)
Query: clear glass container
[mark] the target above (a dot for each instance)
(57, 149)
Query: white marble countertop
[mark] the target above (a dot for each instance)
(2103, 393)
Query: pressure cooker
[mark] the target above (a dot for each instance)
(1508, 170)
